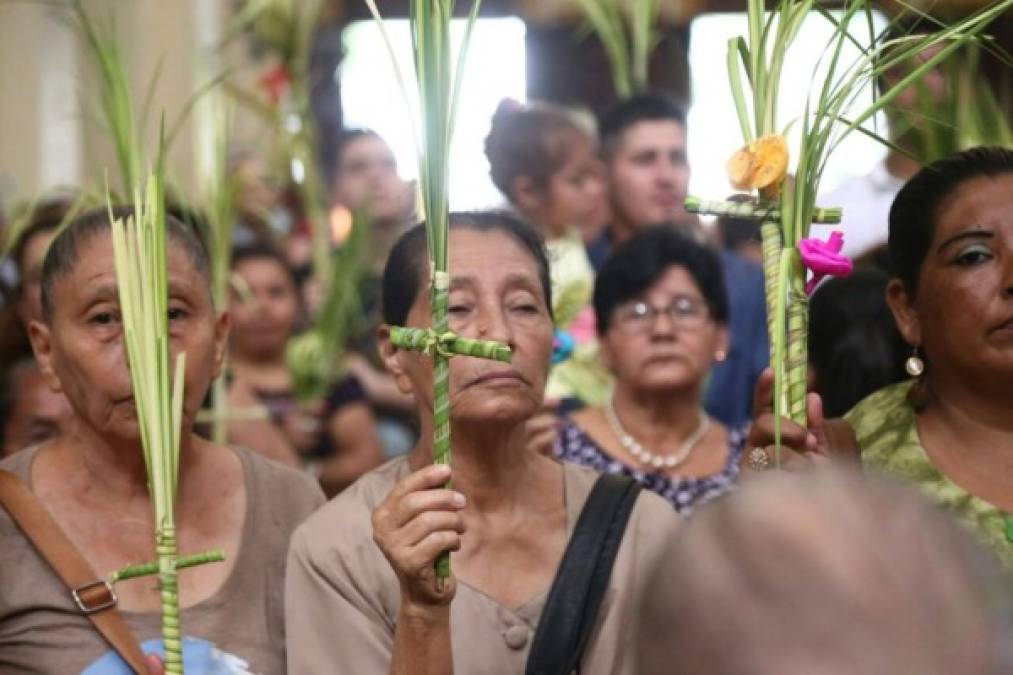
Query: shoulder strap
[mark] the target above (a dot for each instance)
(571, 608)
(93, 596)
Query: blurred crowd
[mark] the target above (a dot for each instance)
(640, 350)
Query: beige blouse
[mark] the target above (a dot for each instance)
(42, 632)
(342, 596)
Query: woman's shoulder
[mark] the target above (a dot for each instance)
(352, 509)
(20, 463)
(651, 536)
(333, 551)
(649, 508)
(883, 422)
(655, 513)
(288, 493)
(881, 404)
(884, 425)
(579, 481)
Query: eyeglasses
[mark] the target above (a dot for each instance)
(684, 312)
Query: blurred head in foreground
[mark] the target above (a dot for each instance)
(833, 572)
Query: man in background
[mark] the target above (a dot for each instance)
(643, 144)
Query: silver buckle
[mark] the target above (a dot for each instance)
(76, 594)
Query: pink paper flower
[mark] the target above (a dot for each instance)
(824, 259)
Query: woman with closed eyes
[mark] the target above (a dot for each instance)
(361, 593)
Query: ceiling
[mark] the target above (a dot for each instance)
(672, 11)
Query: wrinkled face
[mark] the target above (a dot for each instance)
(367, 179)
(649, 174)
(37, 414)
(264, 317)
(81, 350)
(963, 314)
(30, 267)
(666, 338)
(495, 294)
(575, 193)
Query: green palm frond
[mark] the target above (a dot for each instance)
(967, 113)
(830, 116)
(626, 29)
(316, 358)
(115, 99)
(140, 245)
(287, 27)
(439, 84)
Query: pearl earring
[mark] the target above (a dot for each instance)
(914, 365)
(720, 355)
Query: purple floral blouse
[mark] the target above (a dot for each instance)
(574, 445)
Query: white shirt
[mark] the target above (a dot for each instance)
(866, 201)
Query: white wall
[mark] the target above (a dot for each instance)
(49, 133)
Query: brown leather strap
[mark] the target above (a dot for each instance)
(93, 596)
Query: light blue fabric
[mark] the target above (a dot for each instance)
(200, 657)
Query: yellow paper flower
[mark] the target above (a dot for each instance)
(761, 165)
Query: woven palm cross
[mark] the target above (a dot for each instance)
(768, 214)
(441, 344)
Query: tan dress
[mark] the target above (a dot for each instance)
(342, 596)
(42, 632)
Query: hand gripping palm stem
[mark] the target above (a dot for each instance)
(441, 344)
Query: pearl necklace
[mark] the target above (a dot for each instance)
(649, 458)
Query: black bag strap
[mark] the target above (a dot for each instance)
(571, 608)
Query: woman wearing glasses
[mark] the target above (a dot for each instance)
(662, 317)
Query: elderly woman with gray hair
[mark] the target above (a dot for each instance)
(88, 487)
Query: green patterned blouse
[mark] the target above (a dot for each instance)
(884, 423)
